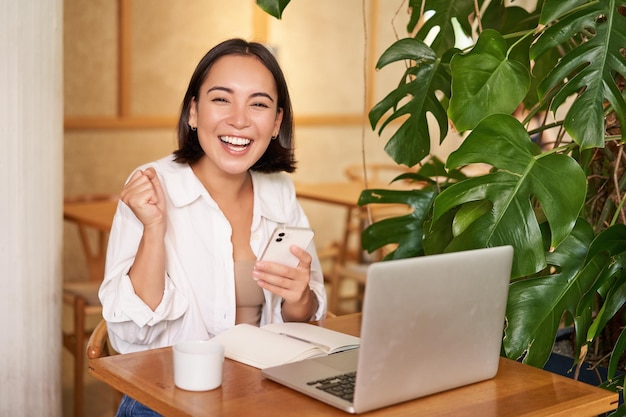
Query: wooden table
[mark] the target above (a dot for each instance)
(517, 390)
(96, 214)
(343, 193)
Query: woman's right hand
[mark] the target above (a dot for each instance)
(144, 195)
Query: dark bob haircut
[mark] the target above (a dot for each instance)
(279, 155)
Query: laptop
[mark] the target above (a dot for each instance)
(429, 324)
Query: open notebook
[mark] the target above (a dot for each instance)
(429, 324)
(279, 343)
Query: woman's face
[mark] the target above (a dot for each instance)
(236, 113)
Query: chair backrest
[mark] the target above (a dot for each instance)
(378, 175)
(98, 344)
(93, 241)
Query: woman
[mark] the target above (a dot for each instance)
(181, 262)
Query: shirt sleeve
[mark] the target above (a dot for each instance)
(127, 316)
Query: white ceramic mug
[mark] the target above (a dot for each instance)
(198, 365)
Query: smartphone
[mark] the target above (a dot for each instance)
(277, 249)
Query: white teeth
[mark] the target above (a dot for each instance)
(235, 141)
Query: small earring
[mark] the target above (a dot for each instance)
(274, 137)
(193, 128)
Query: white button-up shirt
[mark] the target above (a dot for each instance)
(199, 297)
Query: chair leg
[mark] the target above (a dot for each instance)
(333, 302)
(79, 354)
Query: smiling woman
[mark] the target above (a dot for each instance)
(237, 104)
(127, 64)
(190, 226)
(267, 91)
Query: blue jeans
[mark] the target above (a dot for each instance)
(131, 408)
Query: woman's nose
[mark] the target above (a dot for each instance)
(239, 117)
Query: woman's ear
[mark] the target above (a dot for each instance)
(277, 122)
(193, 113)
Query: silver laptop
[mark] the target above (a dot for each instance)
(429, 324)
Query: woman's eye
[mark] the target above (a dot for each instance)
(262, 105)
(219, 100)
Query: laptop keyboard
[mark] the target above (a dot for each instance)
(341, 386)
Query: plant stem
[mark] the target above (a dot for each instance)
(609, 203)
(618, 210)
(618, 186)
(524, 36)
(544, 127)
(564, 149)
(478, 18)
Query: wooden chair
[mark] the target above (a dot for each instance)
(350, 261)
(98, 346)
(82, 296)
(351, 264)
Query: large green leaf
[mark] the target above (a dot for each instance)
(479, 79)
(414, 98)
(609, 289)
(444, 12)
(405, 231)
(620, 347)
(588, 70)
(584, 265)
(540, 70)
(509, 19)
(611, 242)
(556, 181)
(510, 221)
(595, 274)
(536, 305)
(435, 168)
(604, 265)
(273, 7)
(554, 9)
(516, 25)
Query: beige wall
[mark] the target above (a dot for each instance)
(320, 44)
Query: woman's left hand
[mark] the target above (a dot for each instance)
(292, 284)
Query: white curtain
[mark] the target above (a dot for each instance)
(31, 188)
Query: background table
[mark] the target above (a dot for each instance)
(347, 259)
(97, 214)
(516, 390)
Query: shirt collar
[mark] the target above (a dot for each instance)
(269, 198)
(183, 188)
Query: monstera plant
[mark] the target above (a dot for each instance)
(538, 98)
